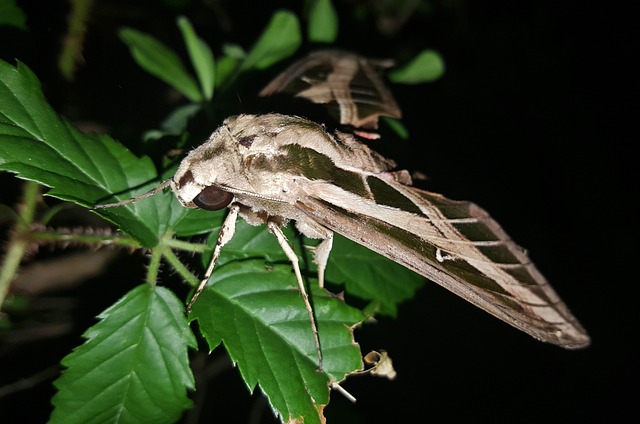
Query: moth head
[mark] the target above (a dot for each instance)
(196, 195)
(202, 176)
(219, 169)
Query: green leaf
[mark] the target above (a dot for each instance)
(427, 66)
(323, 22)
(157, 59)
(201, 57)
(12, 15)
(396, 126)
(250, 242)
(370, 276)
(278, 41)
(38, 145)
(364, 273)
(199, 221)
(176, 123)
(260, 317)
(225, 68)
(233, 56)
(133, 368)
(234, 51)
(255, 242)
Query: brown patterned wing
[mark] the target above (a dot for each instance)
(459, 246)
(349, 84)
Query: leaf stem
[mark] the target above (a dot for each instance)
(84, 238)
(186, 246)
(173, 260)
(18, 243)
(163, 250)
(154, 266)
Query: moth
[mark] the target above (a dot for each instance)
(346, 83)
(274, 168)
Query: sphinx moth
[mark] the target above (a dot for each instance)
(273, 168)
(276, 168)
(288, 168)
(348, 84)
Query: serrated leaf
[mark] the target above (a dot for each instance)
(427, 66)
(133, 368)
(260, 317)
(371, 276)
(254, 242)
(38, 145)
(159, 60)
(363, 273)
(323, 22)
(278, 41)
(201, 57)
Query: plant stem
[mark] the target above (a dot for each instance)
(173, 260)
(71, 53)
(185, 245)
(83, 238)
(163, 250)
(18, 242)
(154, 266)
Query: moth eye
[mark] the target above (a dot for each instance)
(213, 198)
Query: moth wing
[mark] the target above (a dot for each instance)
(466, 252)
(349, 84)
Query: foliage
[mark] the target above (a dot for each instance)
(133, 366)
(12, 15)
(425, 67)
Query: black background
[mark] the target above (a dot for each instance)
(529, 121)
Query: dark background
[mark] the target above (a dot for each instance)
(529, 122)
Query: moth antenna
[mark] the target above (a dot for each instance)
(149, 193)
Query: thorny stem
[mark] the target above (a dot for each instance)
(71, 53)
(173, 260)
(88, 239)
(110, 240)
(18, 244)
(163, 250)
(23, 235)
(154, 266)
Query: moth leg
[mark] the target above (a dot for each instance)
(321, 256)
(343, 391)
(321, 251)
(274, 229)
(226, 234)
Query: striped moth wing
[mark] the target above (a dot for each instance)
(290, 168)
(350, 85)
